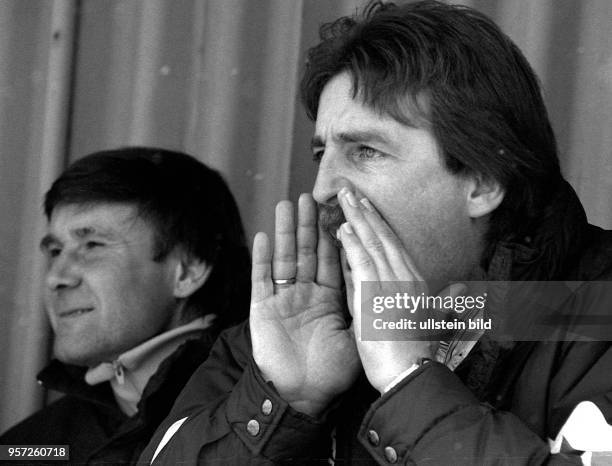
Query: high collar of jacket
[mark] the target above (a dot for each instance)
(161, 390)
(562, 246)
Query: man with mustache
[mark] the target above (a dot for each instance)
(437, 164)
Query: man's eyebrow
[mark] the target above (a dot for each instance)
(363, 136)
(80, 233)
(88, 231)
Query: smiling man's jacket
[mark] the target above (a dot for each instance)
(88, 417)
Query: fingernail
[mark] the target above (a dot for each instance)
(367, 204)
(347, 228)
(459, 288)
(350, 197)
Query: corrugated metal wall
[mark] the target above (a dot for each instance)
(36, 51)
(218, 79)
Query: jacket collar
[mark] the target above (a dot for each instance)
(563, 247)
(131, 371)
(552, 250)
(159, 393)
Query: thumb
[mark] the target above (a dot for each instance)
(444, 308)
(449, 295)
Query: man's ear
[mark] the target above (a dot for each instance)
(483, 196)
(190, 274)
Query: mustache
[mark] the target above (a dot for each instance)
(330, 219)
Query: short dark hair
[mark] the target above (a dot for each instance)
(188, 205)
(482, 99)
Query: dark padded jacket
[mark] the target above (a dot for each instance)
(88, 418)
(501, 405)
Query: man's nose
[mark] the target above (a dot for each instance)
(62, 273)
(331, 178)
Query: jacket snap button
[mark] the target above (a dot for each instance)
(253, 427)
(266, 407)
(373, 437)
(391, 454)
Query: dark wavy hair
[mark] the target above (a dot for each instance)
(450, 68)
(188, 205)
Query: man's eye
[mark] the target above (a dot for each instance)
(93, 244)
(317, 156)
(54, 252)
(365, 152)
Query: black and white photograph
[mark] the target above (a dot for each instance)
(306, 232)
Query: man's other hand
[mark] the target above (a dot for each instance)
(375, 254)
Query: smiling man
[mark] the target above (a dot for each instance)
(105, 293)
(146, 263)
(437, 167)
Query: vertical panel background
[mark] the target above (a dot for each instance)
(218, 79)
(37, 52)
